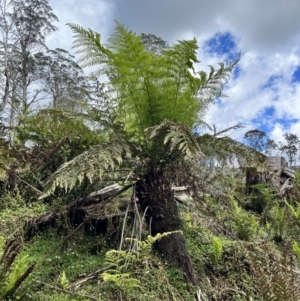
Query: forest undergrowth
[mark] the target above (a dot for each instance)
(238, 252)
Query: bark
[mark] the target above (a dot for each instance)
(157, 197)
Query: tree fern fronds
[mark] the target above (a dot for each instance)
(177, 136)
(231, 128)
(183, 55)
(211, 85)
(225, 148)
(90, 164)
(88, 44)
(278, 280)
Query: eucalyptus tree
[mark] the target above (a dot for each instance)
(291, 147)
(159, 101)
(153, 43)
(62, 79)
(256, 139)
(24, 26)
(272, 147)
(6, 28)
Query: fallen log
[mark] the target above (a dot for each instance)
(75, 211)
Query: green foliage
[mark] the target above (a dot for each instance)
(295, 212)
(18, 269)
(278, 222)
(296, 249)
(63, 280)
(217, 249)
(177, 137)
(123, 280)
(151, 88)
(244, 223)
(159, 100)
(278, 281)
(13, 270)
(88, 165)
(266, 190)
(120, 261)
(51, 126)
(297, 179)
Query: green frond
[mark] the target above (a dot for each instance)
(231, 128)
(88, 165)
(177, 136)
(151, 88)
(211, 84)
(225, 148)
(88, 44)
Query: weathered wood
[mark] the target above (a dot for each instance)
(182, 193)
(286, 186)
(105, 192)
(289, 172)
(277, 164)
(97, 196)
(279, 174)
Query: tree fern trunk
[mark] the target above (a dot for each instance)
(155, 194)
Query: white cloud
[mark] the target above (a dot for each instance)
(277, 133)
(262, 25)
(95, 14)
(248, 99)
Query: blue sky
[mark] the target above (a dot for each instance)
(264, 91)
(224, 45)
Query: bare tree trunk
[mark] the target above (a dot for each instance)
(156, 196)
(6, 92)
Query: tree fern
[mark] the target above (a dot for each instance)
(151, 88)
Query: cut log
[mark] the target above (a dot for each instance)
(277, 164)
(289, 172)
(182, 194)
(279, 174)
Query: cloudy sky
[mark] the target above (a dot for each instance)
(264, 92)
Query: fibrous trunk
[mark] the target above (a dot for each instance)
(156, 196)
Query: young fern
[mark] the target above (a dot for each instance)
(120, 261)
(296, 249)
(13, 270)
(217, 250)
(244, 223)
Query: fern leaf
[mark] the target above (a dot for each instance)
(90, 164)
(177, 136)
